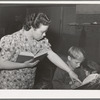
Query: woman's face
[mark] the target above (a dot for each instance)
(40, 32)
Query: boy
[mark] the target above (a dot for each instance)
(92, 72)
(61, 79)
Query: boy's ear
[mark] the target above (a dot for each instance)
(69, 58)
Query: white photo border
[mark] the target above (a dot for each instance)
(49, 94)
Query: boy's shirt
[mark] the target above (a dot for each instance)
(61, 79)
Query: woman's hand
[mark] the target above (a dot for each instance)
(75, 84)
(4, 64)
(29, 63)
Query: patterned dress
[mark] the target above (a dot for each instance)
(11, 46)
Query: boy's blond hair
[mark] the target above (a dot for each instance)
(76, 53)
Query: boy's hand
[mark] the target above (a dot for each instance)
(29, 63)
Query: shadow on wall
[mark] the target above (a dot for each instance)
(54, 39)
(66, 41)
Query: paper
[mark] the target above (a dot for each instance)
(87, 80)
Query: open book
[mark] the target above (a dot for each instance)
(25, 56)
(87, 80)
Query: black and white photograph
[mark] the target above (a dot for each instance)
(50, 46)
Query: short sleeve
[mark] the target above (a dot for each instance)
(45, 44)
(7, 47)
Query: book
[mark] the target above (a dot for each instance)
(25, 56)
(86, 82)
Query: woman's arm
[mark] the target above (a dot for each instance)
(13, 65)
(54, 58)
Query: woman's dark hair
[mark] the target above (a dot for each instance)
(35, 20)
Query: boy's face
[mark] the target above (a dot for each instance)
(74, 63)
(87, 72)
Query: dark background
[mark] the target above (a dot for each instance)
(60, 34)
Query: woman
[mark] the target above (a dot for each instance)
(29, 38)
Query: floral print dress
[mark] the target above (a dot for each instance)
(11, 46)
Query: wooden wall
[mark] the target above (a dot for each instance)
(60, 34)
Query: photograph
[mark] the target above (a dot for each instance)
(51, 49)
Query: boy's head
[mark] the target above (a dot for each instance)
(76, 56)
(90, 67)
